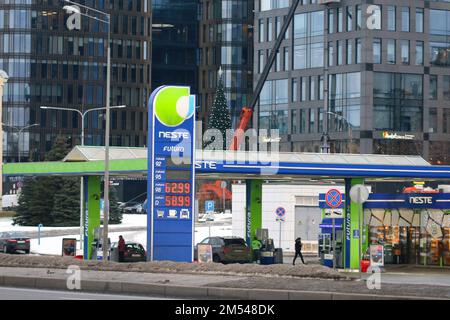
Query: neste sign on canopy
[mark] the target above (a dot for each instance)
(170, 183)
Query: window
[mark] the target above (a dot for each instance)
(320, 87)
(330, 21)
(261, 61)
(261, 30)
(339, 48)
(419, 53)
(391, 51)
(391, 18)
(358, 17)
(312, 88)
(330, 54)
(312, 121)
(405, 19)
(440, 22)
(348, 59)
(432, 95)
(294, 90)
(376, 50)
(375, 19)
(439, 54)
(269, 29)
(404, 51)
(349, 19)
(286, 59)
(294, 121)
(398, 102)
(446, 88)
(339, 20)
(358, 51)
(419, 20)
(303, 89)
(433, 121)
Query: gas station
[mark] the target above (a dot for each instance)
(172, 164)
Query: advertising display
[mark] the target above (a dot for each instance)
(204, 252)
(376, 255)
(171, 170)
(69, 247)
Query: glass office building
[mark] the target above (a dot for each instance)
(53, 66)
(226, 40)
(175, 43)
(375, 77)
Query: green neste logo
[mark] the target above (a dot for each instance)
(173, 105)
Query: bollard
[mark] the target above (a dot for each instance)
(39, 233)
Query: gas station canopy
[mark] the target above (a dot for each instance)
(240, 165)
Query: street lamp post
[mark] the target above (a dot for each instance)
(82, 114)
(19, 131)
(3, 79)
(74, 8)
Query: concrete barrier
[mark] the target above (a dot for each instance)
(19, 281)
(141, 288)
(313, 295)
(193, 292)
(181, 291)
(228, 293)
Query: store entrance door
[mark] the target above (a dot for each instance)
(408, 249)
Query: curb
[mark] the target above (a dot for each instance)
(176, 291)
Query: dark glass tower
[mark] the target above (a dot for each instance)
(53, 66)
(175, 43)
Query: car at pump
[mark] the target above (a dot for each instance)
(134, 252)
(227, 250)
(12, 242)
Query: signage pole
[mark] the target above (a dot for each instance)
(279, 241)
(334, 244)
(359, 231)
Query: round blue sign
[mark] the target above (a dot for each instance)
(280, 212)
(333, 198)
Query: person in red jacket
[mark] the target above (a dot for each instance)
(121, 249)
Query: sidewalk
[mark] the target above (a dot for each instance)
(203, 286)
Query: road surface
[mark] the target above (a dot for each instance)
(7, 293)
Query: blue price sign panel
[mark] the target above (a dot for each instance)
(171, 173)
(209, 206)
(333, 198)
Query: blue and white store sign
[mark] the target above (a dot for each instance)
(401, 200)
(171, 173)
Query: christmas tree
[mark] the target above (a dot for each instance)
(52, 201)
(115, 214)
(220, 118)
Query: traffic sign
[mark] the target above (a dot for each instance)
(333, 198)
(359, 194)
(280, 212)
(209, 206)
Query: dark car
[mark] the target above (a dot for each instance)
(132, 207)
(134, 252)
(11, 242)
(228, 250)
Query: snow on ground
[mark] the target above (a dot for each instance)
(53, 245)
(129, 220)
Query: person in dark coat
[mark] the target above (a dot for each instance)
(298, 250)
(121, 248)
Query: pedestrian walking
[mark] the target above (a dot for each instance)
(121, 248)
(298, 250)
